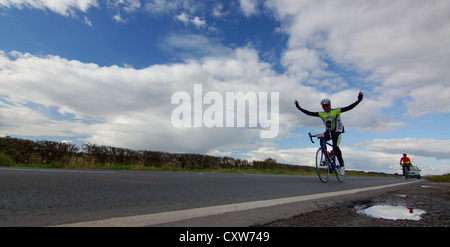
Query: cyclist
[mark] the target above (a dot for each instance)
(333, 124)
(405, 163)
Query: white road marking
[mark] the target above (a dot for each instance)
(173, 216)
(54, 170)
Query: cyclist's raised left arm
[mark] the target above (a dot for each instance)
(348, 108)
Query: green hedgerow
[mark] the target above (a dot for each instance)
(5, 160)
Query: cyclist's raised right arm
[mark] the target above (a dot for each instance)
(313, 114)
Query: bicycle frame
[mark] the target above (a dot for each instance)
(323, 145)
(324, 168)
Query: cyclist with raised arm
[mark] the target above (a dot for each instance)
(333, 123)
(405, 163)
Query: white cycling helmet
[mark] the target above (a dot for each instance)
(325, 102)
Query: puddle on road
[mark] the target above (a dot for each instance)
(401, 195)
(392, 212)
(429, 186)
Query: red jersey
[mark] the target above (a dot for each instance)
(405, 161)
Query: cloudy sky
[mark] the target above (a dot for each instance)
(105, 72)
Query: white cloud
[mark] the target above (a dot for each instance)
(427, 147)
(249, 7)
(188, 46)
(87, 21)
(198, 22)
(183, 17)
(120, 106)
(396, 44)
(429, 99)
(127, 6)
(162, 6)
(130, 5)
(63, 7)
(71, 7)
(17, 119)
(303, 63)
(186, 19)
(119, 19)
(169, 7)
(218, 11)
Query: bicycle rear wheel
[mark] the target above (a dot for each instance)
(322, 167)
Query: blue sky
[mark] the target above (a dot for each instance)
(105, 71)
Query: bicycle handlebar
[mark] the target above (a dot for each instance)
(311, 136)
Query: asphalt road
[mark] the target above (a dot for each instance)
(48, 197)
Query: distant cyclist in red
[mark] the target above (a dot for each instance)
(405, 162)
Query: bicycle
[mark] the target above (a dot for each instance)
(406, 171)
(326, 162)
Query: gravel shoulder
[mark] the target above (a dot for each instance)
(433, 198)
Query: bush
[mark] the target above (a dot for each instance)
(5, 160)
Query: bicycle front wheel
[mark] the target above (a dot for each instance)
(340, 171)
(322, 166)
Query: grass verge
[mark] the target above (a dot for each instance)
(440, 178)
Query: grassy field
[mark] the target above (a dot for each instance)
(441, 178)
